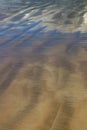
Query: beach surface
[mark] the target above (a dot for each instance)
(43, 70)
(44, 87)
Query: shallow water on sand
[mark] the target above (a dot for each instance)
(43, 65)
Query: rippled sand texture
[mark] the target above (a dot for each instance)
(43, 72)
(44, 87)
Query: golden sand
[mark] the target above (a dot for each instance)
(43, 91)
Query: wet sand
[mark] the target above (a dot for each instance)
(43, 65)
(44, 86)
